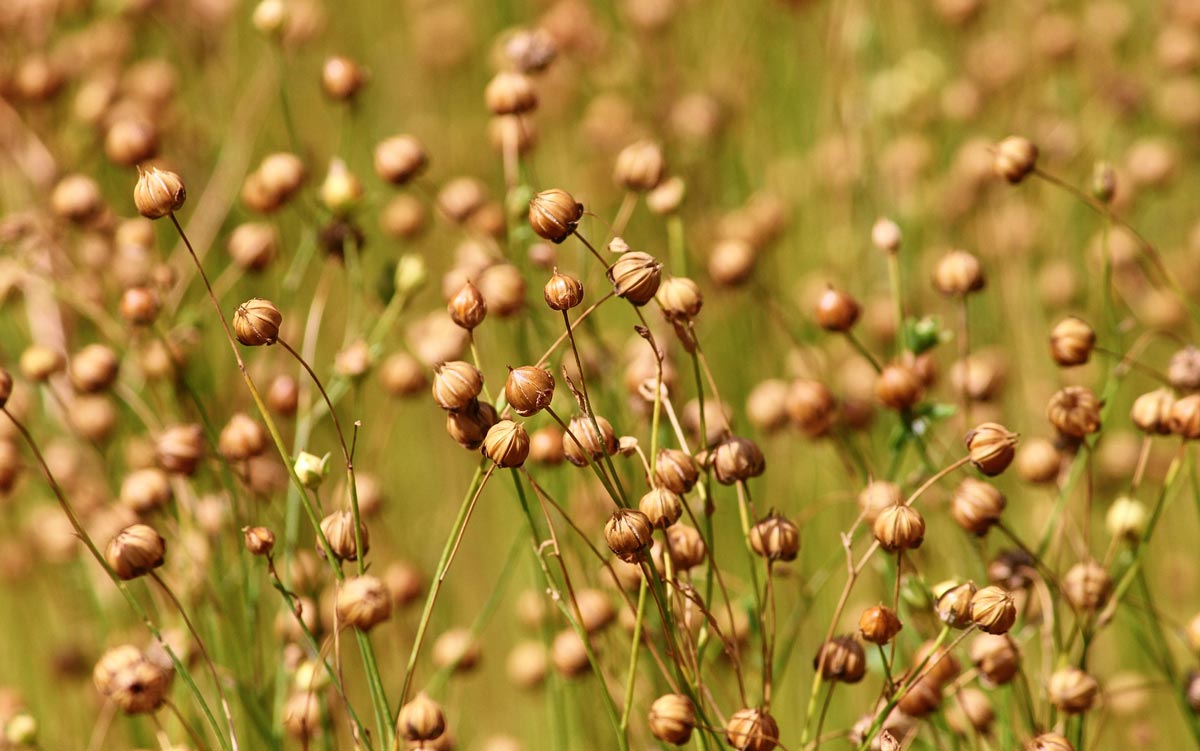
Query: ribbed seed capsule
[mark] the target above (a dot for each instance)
(363, 602)
(563, 292)
(135, 551)
(879, 624)
(470, 425)
(1072, 691)
(399, 159)
(685, 546)
(1015, 158)
(954, 604)
(640, 166)
(775, 538)
(992, 448)
(976, 506)
(1087, 586)
(1184, 417)
(841, 659)
(1071, 342)
(467, 308)
(679, 298)
(338, 529)
(676, 470)
(661, 506)
(456, 384)
(899, 528)
(554, 214)
(158, 193)
(837, 310)
(582, 444)
(1074, 411)
(628, 533)
(672, 717)
(752, 730)
(529, 389)
(421, 719)
(507, 444)
(1151, 412)
(636, 276)
(958, 273)
(993, 610)
(256, 322)
(736, 459)
(1049, 742)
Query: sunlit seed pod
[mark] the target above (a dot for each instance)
(76, 198)
(258, 540)
(398, 159)
(130, 141)
(676, 470)
(898, 387)
(1015, 158)
(282, 174)
(679, 298)
(241, 438)
(976, 506)
(456, 384)
(554, 214)
(457, 650)
(568, 653)
(1038, 461)
(467, 307)
(140, 305)
(628, 534)
(940, 663)
(766, 405)
(145, 490)
(158, 193)
(342, 78)
(1126, 519)
(132, 681)
(731, 262)
(506, 444)
(135, 551)
(339, 531)
(837, 310)
(1072, 691)
(636, 277)
(775, 538)
(970, 711)
(1071, 342)
(404, 217)
(1151, 411)
(841, 659)
(179, 448)
(686, 546)
(672, 718)
(401, 375)
(256, 322)
(527, 663)
(39, 362)
(582, 443)
(878, 496)
(992, 447)
(1074, 411)
(461, 197)
(667, 197)
(662, 507)
(546, 445)
(253, 245)
(996, 657)
(885, 235)
(363, 602)
(879, 624)
(562, 292)
(954, 603)
(1087, 586)
(899, 527)
(993, 610)
(1184, 418)
(736, 459)
(1049, 742)
(752, 729)
(958, 273)
(510, 93)
(529, 389)
(470, 425)
(421, 719)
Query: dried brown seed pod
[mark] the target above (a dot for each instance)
(253, 245)
(179, 448)
(140, 305)
(953, 604)
(131, 680)
(38, 362)
(470, 425)
(752, 730)
(667, 197)
(898, 387)
(971, 711)
(526, 664)
(281, 175)
(941, 665)
(662, 507)
(363, 602)
(991, 447)
(1049, 742)
(456, 384)
(77, 198)
(402, 375)
(467, 307)
(1071, 342)
(993, 610)
(258, 540)
(144, 490)
(94, 368)
(135, 551)
(554, 214)
(996, 657)
(546, 445)
(923, 697)
(241, 438)
(1074, 411)
(595, 609)
(283, 395)
(879, 624)
(899, 527)
(158, 193)
(775, 538)
(810, 406)
(131, 140)
(1184, 417)
(338, 528)
(679, 298)
(736, 459)
(1151, 411)
(1015, 158)
(529, 389)
(1087, 586)
(568, 653)
(302, 715)
(837, 310)
(256, 322)
(1038, 461)
(885, 235)
(510, 93)
(976, 506)
(640, 166)
(878, 496)
(628, 534)
(582, 443)
(342, 78)
(731, 262)
(457, 649)
(399, 159)
(405, 583)
(506, 444)
(958, 273)
(1072, 691)
(841, 659)
(1183, 370)
(672, 718)
(421, 719)
(685, 546)
(562, 292)
(636, 276)
(676, 470)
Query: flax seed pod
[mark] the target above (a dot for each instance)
(736, 459)
(145, 490)
(1184, 417)
(546, 445)
(363, 602)
(685, 546)
(258, 540)
(1015, 158)
(398, 159)
(338, 528)
(1038, 461)
(93, 368)
(256, 322)
(526, 664)
(529, 389)
(130, 140)
(940, 663)
(1072, 691)
(253, 245)
(810, 406)
(775, 538)
(1071, 342)
(179, 448)
(283, 395)
(1126, 519)
(661, 506)
(1183, 370)
(731, 262)
(954, 603)
(878, 496)
(456, 384)
(766, 405)
(467, 307)
(899, 527)
(595, 610)
(640, 166)
(506, 444)
(470, 425)
(992, 447)
(140, 305)
(628, 534)
(568, 653)
(898, 387)
(554, 214)
(582, 443)
(752, 730)
(1049, 742)
(342, 78)
(457, 650)
(971, 712)
(996, 657)
(421, 719)
(158, 193)
(672, 718)
(841, 659)
(976, 506)
(636, 276)
(1074, 411)
(401, 375)
(879, 624)
(676, 470)
(1087, 586)
(135, 551)
(993, 610)
(837, 310)
(562, 292)
(510, 93)
(923, 696)
(1151, 412)
(679, 298)
(958, 273)
(241, 438)
(133, 682)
